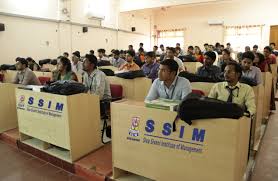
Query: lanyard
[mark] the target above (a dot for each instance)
(172, 90)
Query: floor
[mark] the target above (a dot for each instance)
(16, 165)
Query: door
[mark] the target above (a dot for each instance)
(274, 34)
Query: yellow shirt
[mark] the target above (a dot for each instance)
(130, 67)
(243, 96)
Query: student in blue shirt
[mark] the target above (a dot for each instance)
(150, 68)
(168, 85)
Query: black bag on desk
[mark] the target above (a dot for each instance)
(107, 72)
(195, 106)
(7, 67)
(131, 74)
(65, 87)
(248, 81)
(196, 78)
(44, 61)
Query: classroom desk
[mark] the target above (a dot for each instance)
(267, 82)
(259, 97)
(109, 67)
(67, 127)
(9, 75)
(8, 118)
(273, 68)
(144, 144)
(134, 89)
(192, 67)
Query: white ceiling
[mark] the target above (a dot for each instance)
(131, 5)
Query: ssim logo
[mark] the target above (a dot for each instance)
(40, 103)
(134, 129)
(21, 101)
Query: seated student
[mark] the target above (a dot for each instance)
(76, 64)
(170, 54)
(103, 59)
(66, 54)
(274, 51)
(269, 57)
(199, 55)
(150, 68)
(233, 91)
(92, 52)
(64, 70)
(95, 80)
(130, 65)
(117, 61)
(25, 76)
(190, 54)
(208, 69)
(226, 58)
(255, 49)
(181, 52)
(260, 62)
(140, 57)
(248, 70)
(32, 64)
(169, 85)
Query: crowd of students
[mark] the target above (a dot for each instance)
(163, 67)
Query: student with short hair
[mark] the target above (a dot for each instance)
(178, 46)
(225, 59)
(130, 65)
(248, 70)
(95, 80)
(208, 69)
(171, 55)
(103, 59)
(25, 75)
(66, 54)
(76, 64)
(247, 49)
(255, 49)
(233, 91)
(32, 64)
(117, 61)
(269, 57)
(64, 70)
(229, 47)
(169, 85)
(150, 68)
(206, 46)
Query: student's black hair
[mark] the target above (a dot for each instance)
(17, 58)
(178, 44)
(30, 59)
(23, 61)
(206, 44)
(76, 53)
(268, 48)
(130, 46)
(59, 57)
(66, 63)
(66, 53)
(191, 47)
(272, 43)
(116, 52)
(261, 57)
(150, 54)
(156, 47)
(101, 50)
(217, 44)
(228, 44)
(171, 64)
(92, 59)
(172, 49)
(255, 46)
(141, 44)
(211, 55)
(222, 46)
(92, 52)
(249, 55)
(237, 67)
(131, 53)
(161, 45)
(227, 51)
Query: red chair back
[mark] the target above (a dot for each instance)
(116, 91)
(198, 92)
(43, 80)
(1, 77)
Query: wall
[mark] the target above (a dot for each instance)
(40, 34)
(235, 12)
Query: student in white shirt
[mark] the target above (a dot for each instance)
(77, 65)
(171, 55)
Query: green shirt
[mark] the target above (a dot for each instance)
(57, 76)
(243, 96)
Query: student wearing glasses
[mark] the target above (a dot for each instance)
(233, 91)
(168, 85)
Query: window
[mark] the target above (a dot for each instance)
(241, 36)
(170, 37)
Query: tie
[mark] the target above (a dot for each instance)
(230, 98)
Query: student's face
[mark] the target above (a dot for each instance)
(266, 53)
(116, 56)
(87, 65)
(170, 54)
(208, 61)
(162, 48)
(228, 46)
(100, 54)
(246, 63)
(60, 66)
(190, 51)
(154, 49)
(225, 56)
(74, 59)
(230, 74)
(178, 45)
(247, 49)
(141, 46)
(256, 60)
(65, 55)
(130, 48)
(149, 60)
(255, 49)
(19, 66)
(206, 47)
(210, 48)
(164, 73)
(129, 58)
(272, 46)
